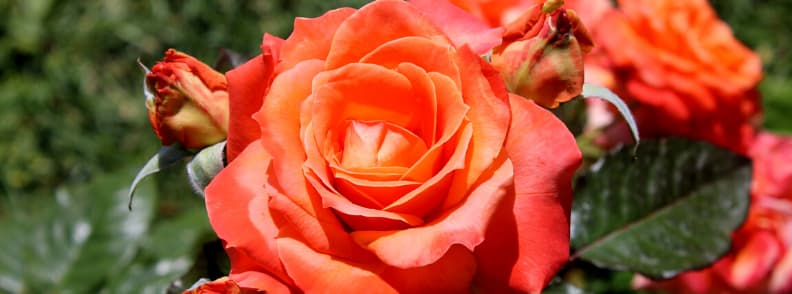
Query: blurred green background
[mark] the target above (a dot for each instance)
(74, 131)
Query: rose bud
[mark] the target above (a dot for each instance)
(541, 57)
(189, 104)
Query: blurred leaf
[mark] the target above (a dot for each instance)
(671, 209)
(205, 166)
(167, 253)
(75, 242)
(562, 288)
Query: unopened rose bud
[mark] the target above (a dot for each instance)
(190, 102)
(541, 57)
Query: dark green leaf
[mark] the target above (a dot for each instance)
(671, 209)
(165, 157)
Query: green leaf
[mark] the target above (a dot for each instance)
(671, 209)
(592, 91)
(166, 254)
(71, 244)
(165, 157)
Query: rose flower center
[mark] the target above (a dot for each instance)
(379, 144)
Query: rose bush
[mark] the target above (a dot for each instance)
(760, 260)
(189, 105)
(386, 156)
(680, 69)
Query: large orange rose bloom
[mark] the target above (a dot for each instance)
(681, 70)
(391, 159)
(760, 260)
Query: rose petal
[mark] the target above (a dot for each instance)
(314, 272)
(237, 209)
(430, 55)
(311, 37)
(247, 85)
(279, 119)
(260, 281)
(403, 20)
(527, 241)
(781, 280)
(450, 274)
(489, 115)
(464, 225)
(755, 260)
(461, 27)
(316, 226)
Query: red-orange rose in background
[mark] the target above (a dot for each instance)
(760, 260)
(390, 158)
(189, 104)
(680, 69)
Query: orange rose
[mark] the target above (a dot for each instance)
(680, 69)
(760, 260)
(389, 159)
(190, 102)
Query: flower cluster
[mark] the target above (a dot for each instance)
(405, 147)
(684, 74)
(377, 150)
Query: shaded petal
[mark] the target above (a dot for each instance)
(260, 281)
(461, 27)
(484, 92)
(237, 207)
(450, 274)
(314, 272)
(247, 85)
(279, 118)
(527, 241)
(464, 225)
(316, 226)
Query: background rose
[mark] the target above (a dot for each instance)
(760, 260)
(190, 102)
(680, 69)
(389, 160)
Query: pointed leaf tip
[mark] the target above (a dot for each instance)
(592, 91)
(166, 157)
